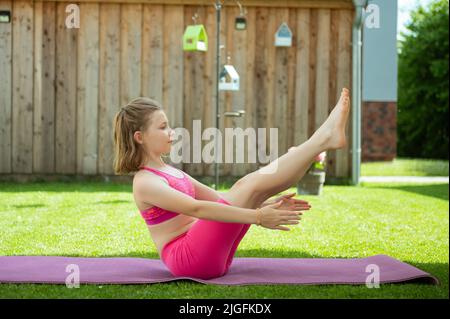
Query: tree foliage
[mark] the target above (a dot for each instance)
(423, 84)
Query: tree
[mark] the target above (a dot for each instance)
(423, 84)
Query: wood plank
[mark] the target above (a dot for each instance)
(302, 99)
(248, 3)
(344, 71)
(109, 102)
(313, 28)
(38, 124)
(188, 98)
(270, 94)
(5, 92)
(334, 37)
(230, 56)
(44, 88)
(280, 105)
(173, 71)
(323, 67)
(239, 60)
(152, 52)
(227, 105)
(66, 94)
(130, 52)
(22, 83)
(261, 85)
(224, 106)
(292, 62)
(209, 99)
(193, 95)
(250, 104)
(198, 91)
(222, 167)
(87, 89)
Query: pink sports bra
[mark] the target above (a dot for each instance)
(156, 215)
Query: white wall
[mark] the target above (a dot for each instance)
(380, 53)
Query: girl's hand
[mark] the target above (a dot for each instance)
(290, 203)
(272, 217)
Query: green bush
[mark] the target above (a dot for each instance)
(423, 84)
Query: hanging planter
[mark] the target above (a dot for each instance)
(195, 38)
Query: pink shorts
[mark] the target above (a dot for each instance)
(206, 250)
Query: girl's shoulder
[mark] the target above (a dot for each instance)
(145, 178)
(142, 181)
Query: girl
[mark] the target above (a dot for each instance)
(195, 229)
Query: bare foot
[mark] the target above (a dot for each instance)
(332, 132)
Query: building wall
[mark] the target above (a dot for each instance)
(379, 111)
(62, 87)
(380, 134)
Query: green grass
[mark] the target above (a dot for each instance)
(406, 221)
(406, 167)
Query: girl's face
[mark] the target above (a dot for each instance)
(158, 137)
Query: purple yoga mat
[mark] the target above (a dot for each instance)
(243, 271)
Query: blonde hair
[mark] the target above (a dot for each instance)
(135, 116)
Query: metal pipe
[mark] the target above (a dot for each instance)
(218, 20)
(357, 89)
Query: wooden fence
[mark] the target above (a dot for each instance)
(60, 88)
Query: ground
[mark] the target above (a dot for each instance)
(406, 221)
(406, 167)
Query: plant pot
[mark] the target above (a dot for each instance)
(311, 183)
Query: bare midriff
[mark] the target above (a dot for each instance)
(164, 232)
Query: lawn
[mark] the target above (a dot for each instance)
(406, 167)
(406, 221)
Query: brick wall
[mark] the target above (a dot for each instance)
(379, 131)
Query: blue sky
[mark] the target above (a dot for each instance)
(404, 9)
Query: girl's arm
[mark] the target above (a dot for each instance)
(154, 191)
(204, 192)
(289, 202)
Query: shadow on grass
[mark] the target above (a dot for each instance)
(61, 187)
(29, 206)
(93, 186)
(438, 270)
(439, 191)
(117, 201)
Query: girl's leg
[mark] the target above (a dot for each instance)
(235, 245)
(206, 250)
(254, 188)
(292, 166)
